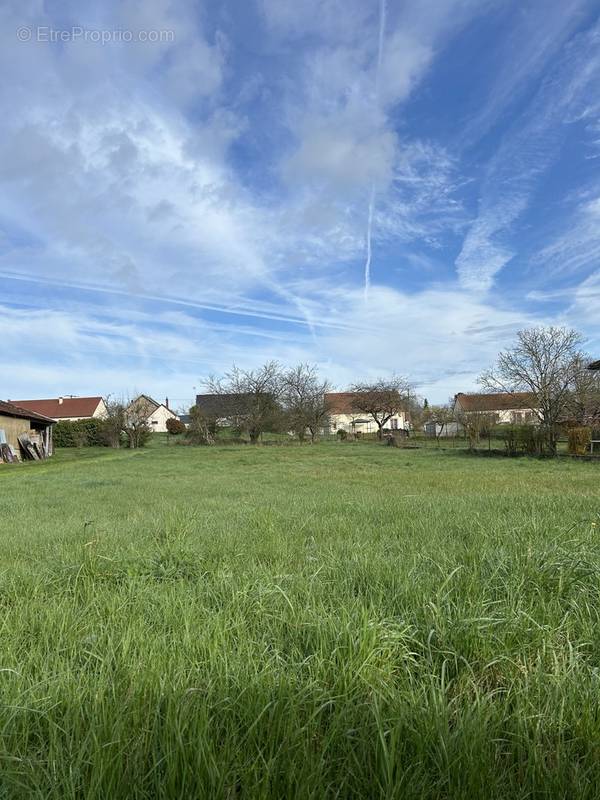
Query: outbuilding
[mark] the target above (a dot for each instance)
(24, 433)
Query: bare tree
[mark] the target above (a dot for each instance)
(441, 416)
(113, 423)
(584, 404)
(545, 363)
(381, 400)
(251, 398)
(303, 398)
(201, 427)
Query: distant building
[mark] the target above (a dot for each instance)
(18, 425)
(66, 408)
(506, 407)
(344, 416)
(156, 414)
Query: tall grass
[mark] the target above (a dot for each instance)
(328, 621)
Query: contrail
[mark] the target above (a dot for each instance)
(382, 16)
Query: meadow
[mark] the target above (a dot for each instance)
(340, 620)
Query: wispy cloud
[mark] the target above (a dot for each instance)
(525, 153)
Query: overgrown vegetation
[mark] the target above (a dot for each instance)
(311, 622)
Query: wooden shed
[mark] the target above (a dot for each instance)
(23, 434)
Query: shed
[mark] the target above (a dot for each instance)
(24, 433)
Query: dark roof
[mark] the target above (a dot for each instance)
(223, 405)
(594, 365)
(69, 407)
(500, 401)
(12, 410)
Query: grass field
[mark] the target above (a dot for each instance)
(343, 620)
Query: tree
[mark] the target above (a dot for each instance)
(474, 424)
(544, 362)
(136, 427)
(114, 422)
(381, 400)
(304, 402)
(251, 398)
(200, 428)
(441, 416)
(584, 404)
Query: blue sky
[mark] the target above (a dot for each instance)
(171, 207)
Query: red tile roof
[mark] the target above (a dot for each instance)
(12, 410)
(69, 407)
(501, 401)
(340, 402)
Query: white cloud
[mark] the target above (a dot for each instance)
(526, 151)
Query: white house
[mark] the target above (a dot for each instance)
(343, 416)
(506, 407)
(156, 414)
(66, 408)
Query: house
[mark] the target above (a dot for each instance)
(156, 414)
(67, 408)
(344, 416)
(506, 407)
(23, 433)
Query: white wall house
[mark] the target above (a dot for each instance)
(512, 408)
(156, 414)
(343, 416)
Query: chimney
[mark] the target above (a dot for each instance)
(60, 401)
(167, 402)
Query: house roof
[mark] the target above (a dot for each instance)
(149, 405)
(340, 402)
(69, 407)
(500, 401)
(594, 365)
(13, 410)
(223, 405)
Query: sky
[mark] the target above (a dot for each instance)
(373, 187)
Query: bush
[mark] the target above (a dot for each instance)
(579, 440)
(79, 433)
(529, 439)
(175, 426)
(342, 434)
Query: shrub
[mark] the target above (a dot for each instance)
(79, 433)
(579, 440)
(530, 439)
(175, 426)
(342, 434)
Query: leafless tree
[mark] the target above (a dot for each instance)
(381, 400)
(113, 424)
(251, 397)
(545, 362)
(303, 398)
(201, 428)
(441, 416)
(584, 405)
(136, 426)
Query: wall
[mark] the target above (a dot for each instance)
(344, 422)
(13, 427)
(158, 419)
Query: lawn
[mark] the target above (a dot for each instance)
(339, 620)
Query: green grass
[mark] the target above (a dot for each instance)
(343, 620)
